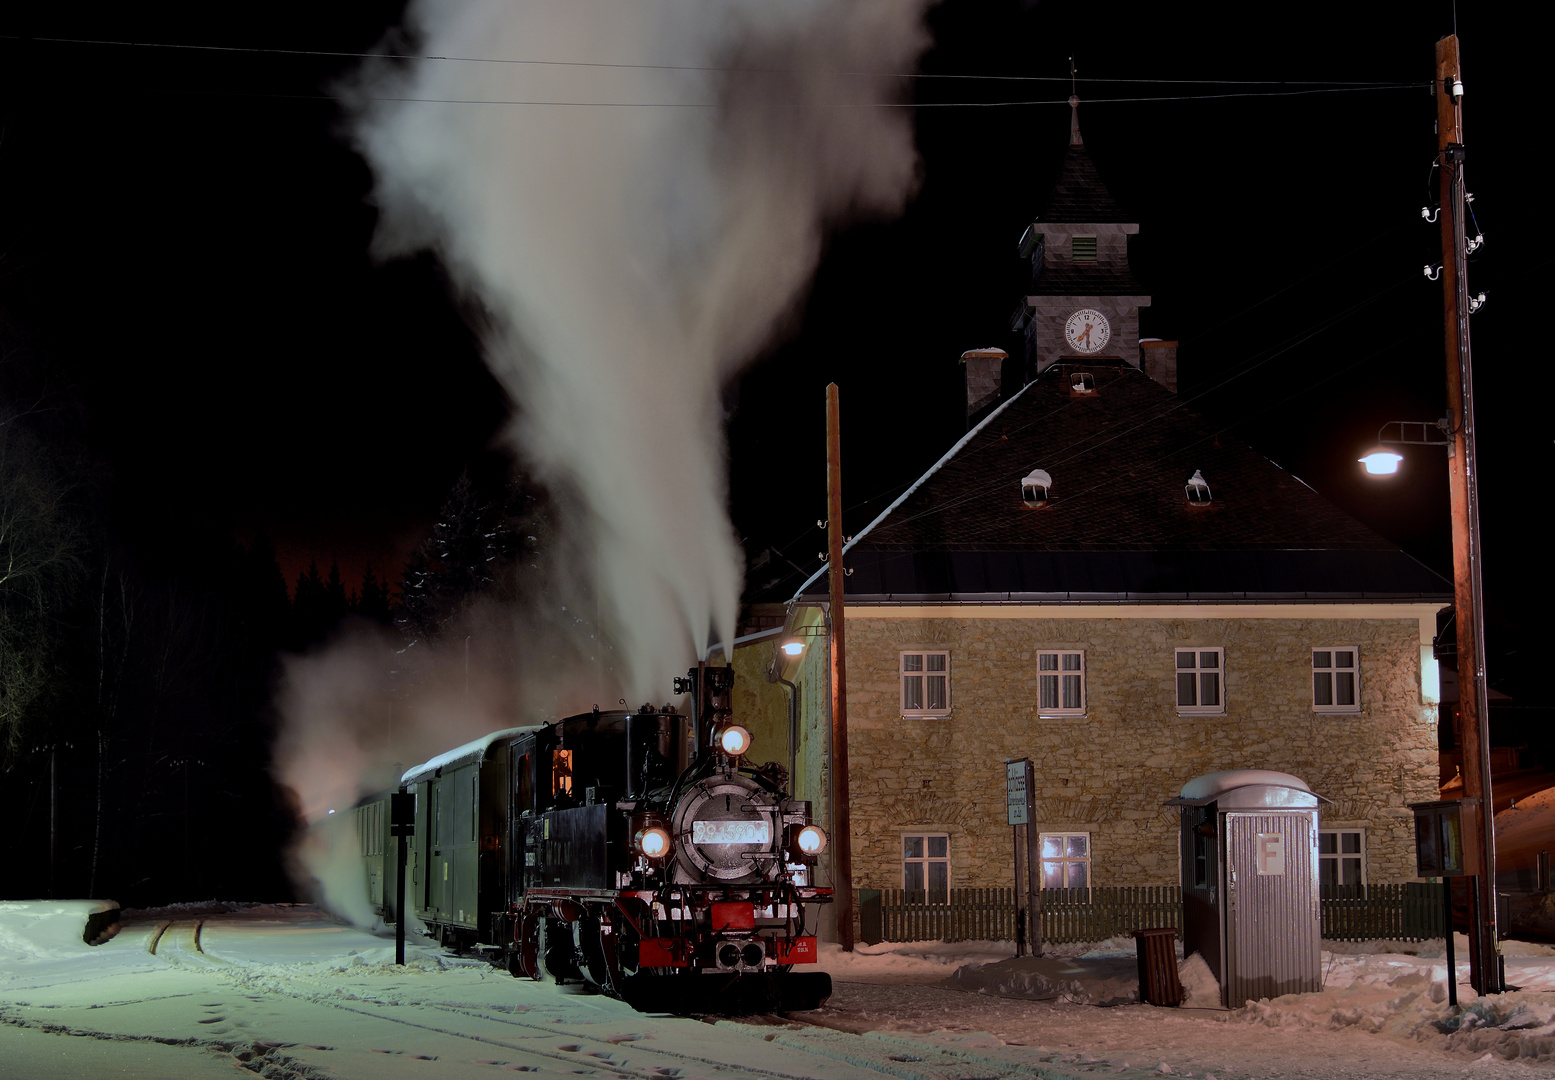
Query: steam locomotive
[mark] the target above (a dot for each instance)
(639, 852)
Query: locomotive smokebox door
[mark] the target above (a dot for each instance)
(402, 813)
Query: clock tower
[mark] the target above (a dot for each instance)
(1083, 302)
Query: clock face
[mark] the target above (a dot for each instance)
(1087, 331)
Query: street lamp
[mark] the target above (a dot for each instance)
(1381, 461)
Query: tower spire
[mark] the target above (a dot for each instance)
(1074, 108)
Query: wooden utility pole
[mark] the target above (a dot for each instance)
(842, 824)
(1463, 480)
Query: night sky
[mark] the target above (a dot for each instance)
(184, 265)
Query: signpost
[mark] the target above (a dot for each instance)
(402, 824)
(1021, 810)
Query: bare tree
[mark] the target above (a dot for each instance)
(40, 569)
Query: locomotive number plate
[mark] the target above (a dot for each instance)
(731, 832)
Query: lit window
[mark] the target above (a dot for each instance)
(1199, 686)
(926, 866)
(925, 683)
(1061, 683)
(1336, 679)
(1083, 249)
(1197, 489)
(1341, 855)
(1066, 860)
(1034, 489)
(1082, 382)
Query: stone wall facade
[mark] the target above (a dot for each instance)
(1108, 772)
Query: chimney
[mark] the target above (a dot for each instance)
(983, 382)
(1159, 360)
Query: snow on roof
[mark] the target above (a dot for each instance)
(473, 748)
(904, 496)
(1217, 783)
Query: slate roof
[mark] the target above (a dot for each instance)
(1118, 524)
(1078, 196)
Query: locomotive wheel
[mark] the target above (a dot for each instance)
(524, 952)
(556, 961)
(598, 953)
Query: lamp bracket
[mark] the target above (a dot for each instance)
(1415, 433)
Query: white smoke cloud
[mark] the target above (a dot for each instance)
(634, 252)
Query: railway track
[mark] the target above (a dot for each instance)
(518, 1036)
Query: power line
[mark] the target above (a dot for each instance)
(346, 54)
(536, 102)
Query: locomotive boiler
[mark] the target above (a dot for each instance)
(640, 852)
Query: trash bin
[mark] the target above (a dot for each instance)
(1158, 982)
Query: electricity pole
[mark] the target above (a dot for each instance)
(1463, 481)
(842, 824)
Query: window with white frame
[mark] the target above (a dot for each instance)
(1341, 857)
(926, 865)
(1336, 679)
(925, 683)
(1200, 688)
(1066, 860)
(1061, 683)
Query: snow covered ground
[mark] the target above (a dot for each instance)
(287, 993)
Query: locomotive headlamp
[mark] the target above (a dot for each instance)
(804, 843)
(734, 740)
(649, 836)
(653, 842)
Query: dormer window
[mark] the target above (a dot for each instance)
(1197, 489)
(1082, 382)
(1034, 489)
(1082, 249)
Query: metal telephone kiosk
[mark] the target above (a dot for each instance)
(1250, 882)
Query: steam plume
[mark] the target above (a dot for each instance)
(633, 250)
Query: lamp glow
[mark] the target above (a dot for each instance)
(812, 840)
(1381, 462)
(793, 648)
(653, 842)
(735, 740)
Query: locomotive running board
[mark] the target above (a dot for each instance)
(727, 993)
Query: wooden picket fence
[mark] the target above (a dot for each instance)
(1070, 915)
(970, 915)
(989, 914)
(1407, 912)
